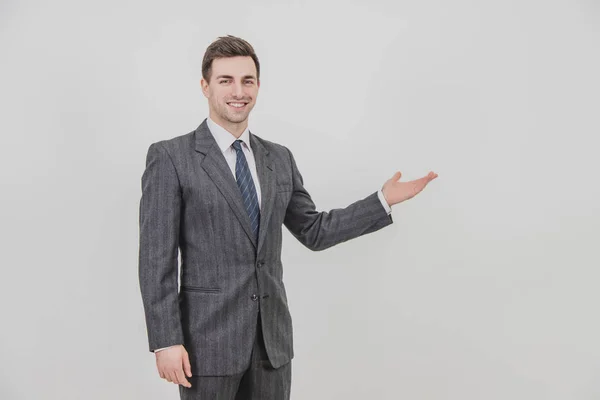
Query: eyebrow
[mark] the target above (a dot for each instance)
(231, 77)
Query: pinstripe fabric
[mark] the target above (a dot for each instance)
(260, 381)
(191, 203)
(246, 184)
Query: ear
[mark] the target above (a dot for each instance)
(205, 88)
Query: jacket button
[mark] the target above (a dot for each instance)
(254, 297)
(260, 264)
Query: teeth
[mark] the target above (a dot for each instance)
(238, 105)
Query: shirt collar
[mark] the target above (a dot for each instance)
(225, 138)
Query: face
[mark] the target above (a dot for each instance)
(232, 90)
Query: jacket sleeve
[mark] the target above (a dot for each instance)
(321, 230)
(160, 208)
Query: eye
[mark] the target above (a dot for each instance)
(224, 81)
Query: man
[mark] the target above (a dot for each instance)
(220, 194)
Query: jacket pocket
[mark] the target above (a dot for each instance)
(187, 288)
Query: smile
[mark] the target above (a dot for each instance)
(237, 105)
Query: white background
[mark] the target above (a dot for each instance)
(486, 285)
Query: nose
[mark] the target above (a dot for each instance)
(238, 90)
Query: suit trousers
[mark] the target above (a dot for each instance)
(260, 381)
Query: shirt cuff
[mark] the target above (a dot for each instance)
(162, 348)
(384, 202)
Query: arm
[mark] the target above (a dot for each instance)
(321, 230)
(159, 237)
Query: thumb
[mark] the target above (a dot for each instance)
(187, 367)
(396, 176)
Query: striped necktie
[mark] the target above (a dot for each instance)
(246, 185)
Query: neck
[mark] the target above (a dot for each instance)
(235, 128)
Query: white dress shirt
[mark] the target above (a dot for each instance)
(225, 141)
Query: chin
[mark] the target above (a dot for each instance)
(237, 118)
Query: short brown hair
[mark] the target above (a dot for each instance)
(227, 46)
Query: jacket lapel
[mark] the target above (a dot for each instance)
(216, 167)
(266, 177)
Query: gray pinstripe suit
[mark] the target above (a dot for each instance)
(190, 202)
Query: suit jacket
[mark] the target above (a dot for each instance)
(191, 203)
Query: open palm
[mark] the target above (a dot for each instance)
(396, 192)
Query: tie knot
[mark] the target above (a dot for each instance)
(237, 145)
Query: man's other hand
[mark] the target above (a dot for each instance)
(396, 192)
(172, 363)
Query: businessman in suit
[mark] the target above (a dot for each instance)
(220, 195)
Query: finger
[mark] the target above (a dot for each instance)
(170, 376)
(181, 378)
(419, 185)
(187, 367)
(174, 378)
(426, 179)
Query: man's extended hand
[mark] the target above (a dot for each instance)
(396, 192)
(171, 364)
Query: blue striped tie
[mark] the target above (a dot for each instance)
(246, 185)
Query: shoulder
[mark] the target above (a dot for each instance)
(174, 145)
(275, 149)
